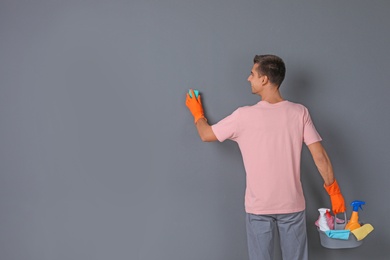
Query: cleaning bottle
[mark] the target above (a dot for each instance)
(322, 223)
(329, 219)
(354, 221)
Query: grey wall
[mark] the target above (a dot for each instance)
(99, 155)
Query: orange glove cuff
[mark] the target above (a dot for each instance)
(333, 189)
(336, 198)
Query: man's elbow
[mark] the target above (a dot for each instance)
(208, 138)
(207, 135)
(203, 138)
(320, 162)
(319, 154)
(321, 159)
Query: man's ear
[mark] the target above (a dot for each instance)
(265, 80)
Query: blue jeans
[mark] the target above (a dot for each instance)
(292, 233)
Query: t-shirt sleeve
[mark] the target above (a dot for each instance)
(310, 134)
(227, 128)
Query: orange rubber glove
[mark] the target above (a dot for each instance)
(337, 199)
(195, 106)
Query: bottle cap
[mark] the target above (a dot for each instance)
(356, 204)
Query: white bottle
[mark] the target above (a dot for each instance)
(323, 224)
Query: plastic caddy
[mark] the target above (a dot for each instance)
(333, 243)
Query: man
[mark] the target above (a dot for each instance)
(270, 135)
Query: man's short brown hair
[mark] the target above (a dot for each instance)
(272, 66)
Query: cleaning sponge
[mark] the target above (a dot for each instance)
(363, 231)
(196, 92)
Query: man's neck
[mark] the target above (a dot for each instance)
(272, 96)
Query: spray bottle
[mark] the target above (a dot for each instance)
(329, 219)
(322, 223)
(354, 221)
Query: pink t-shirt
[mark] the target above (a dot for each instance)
(270, 137)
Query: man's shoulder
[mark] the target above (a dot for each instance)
(297, 106)
(245, 107)
(286, 104)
